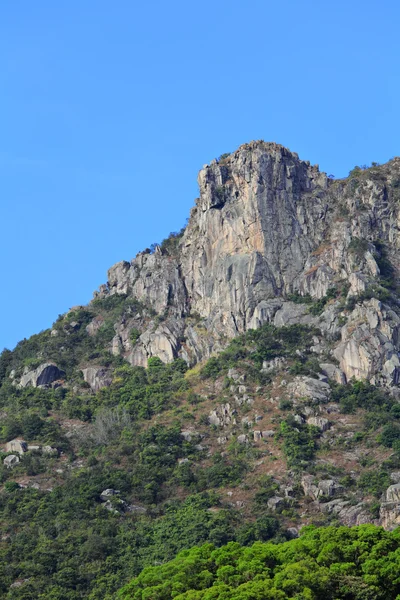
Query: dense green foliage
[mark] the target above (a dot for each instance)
(68, 343)
(298, 442)
(65, 543)
(142, 392)
(362, 563)
(68, 546)
(259, 345)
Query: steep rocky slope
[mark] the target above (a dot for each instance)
(266, 227)
(235, 382)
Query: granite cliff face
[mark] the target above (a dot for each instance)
(270, 233)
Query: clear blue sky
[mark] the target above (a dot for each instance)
(108, 110)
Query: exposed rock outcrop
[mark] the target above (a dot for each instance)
(268, 225)
(45, 375)
(97, 377)
(390, 507)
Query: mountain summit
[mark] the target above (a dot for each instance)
(268, 235)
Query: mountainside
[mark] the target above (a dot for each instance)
(234, 383)
(267, 229)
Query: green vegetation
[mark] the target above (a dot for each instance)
(64, 542)
(362, 563)
(68, 343)
(219, 193)
(170, 245)
(298, 442)
(358, 247)
(319, 305)
(254, 347)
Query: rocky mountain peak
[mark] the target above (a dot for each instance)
(269, 236)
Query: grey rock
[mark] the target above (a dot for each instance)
(329, 488)
(108, 505)
(222, 416)
(97, 377)
(348, 514)
(108, 493)
(293, 532)
(369, 344)
(10, 461)
(268, 433)
(275, 364)
(93, 327)
(307, 387)
(43, 376)
(389, 514)
(266, 225)
(235, 375)
(392, 493)
(320, 422)
(189, 435)
(17, 445)
(274, 502)
(326, 488)
(333, 372)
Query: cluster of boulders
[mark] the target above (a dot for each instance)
(112, 501)
(21, 447)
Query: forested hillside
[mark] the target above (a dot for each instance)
(227, 391)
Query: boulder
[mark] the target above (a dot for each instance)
(326, 488)
(10, 461)
(97, 377)
(333, 372)
(94, 325)
(268, 433)
(189, 435)
(348, 513)
(257, 436)
(320, 422)
(275, 364)
(308, 387)
(274, 502)
(392, 493)
(17, 445)
(222, 416)
(44, 375)
(235, 375)
(108, 493)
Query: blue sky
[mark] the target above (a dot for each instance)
(108, 110)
